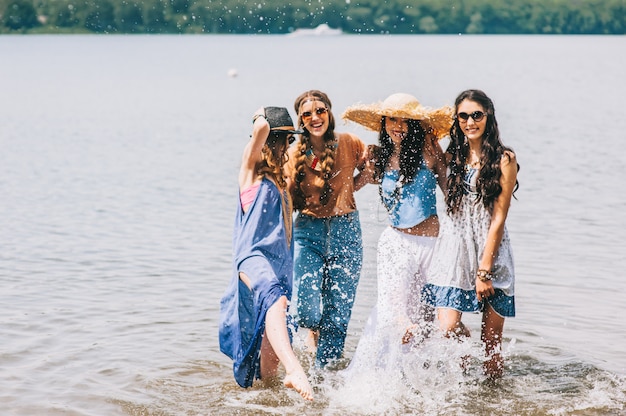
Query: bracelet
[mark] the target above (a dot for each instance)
(257, 116)
(484, 275)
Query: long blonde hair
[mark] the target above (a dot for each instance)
(271, 163)
(271, 166)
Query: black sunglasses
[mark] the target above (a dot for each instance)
(476, 116)
(319, 111)
(283, 134)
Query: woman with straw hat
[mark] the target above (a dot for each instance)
(407, 164)
(328, 250)
(253, 311)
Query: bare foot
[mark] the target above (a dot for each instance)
(311, 341)
(494, 367)
(465, 363)
(298, 381)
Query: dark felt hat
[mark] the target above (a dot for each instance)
(278, 117)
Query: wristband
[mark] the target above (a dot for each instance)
(484, 275)
(257, 116)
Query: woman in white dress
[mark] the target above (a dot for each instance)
(407, 164)
(472, 266)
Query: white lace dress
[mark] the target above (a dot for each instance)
(452, 271)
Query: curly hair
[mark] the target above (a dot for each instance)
(272, 160)
(327, 159)
(492, 151)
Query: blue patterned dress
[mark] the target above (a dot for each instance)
(262, 252)
(451, 275)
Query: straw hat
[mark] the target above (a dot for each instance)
(403, 106)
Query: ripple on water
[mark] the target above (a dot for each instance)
(428, 380)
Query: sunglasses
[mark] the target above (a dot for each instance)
(278, 134)
(306, 115)
(476, 116)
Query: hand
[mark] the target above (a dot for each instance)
(259, 114)
(409, 334)
(484, 289)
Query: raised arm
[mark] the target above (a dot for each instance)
(252, 152)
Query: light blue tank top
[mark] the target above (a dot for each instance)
(411, 203)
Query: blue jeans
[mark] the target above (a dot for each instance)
(327, 266)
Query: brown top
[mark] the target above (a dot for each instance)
(349, 156)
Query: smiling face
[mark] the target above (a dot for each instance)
(397, 128)
(472, 129)
(315, 117)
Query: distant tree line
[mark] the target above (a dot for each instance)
(284, 16)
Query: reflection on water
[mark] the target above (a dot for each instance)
(118, 182)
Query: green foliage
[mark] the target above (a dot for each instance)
(129, 17)
(278, 16)
(64, 15)
(100, 16)
(19, 15)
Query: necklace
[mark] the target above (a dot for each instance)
(475, 156)
(312, 160)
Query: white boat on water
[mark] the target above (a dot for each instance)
(321, 30)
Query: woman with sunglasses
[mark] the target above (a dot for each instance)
(253, 311)
(472, 265)
(327, 231)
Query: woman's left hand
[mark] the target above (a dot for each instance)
(409, 334)
(484, 289)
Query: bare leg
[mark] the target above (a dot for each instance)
(450, 323)
(311, 340)
(269, 360)
(491, 335)
(279, 350)
(276, 348)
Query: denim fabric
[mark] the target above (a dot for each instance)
(328, 255)
(466, 301)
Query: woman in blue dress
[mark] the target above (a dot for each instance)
(407, 165)
(472, 266)
(253, 328)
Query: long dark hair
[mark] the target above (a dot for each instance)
(410, 151)
(327, 161)
(492, 151)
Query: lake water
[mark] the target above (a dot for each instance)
(118, 165)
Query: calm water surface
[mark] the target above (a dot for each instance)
(118, 181)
